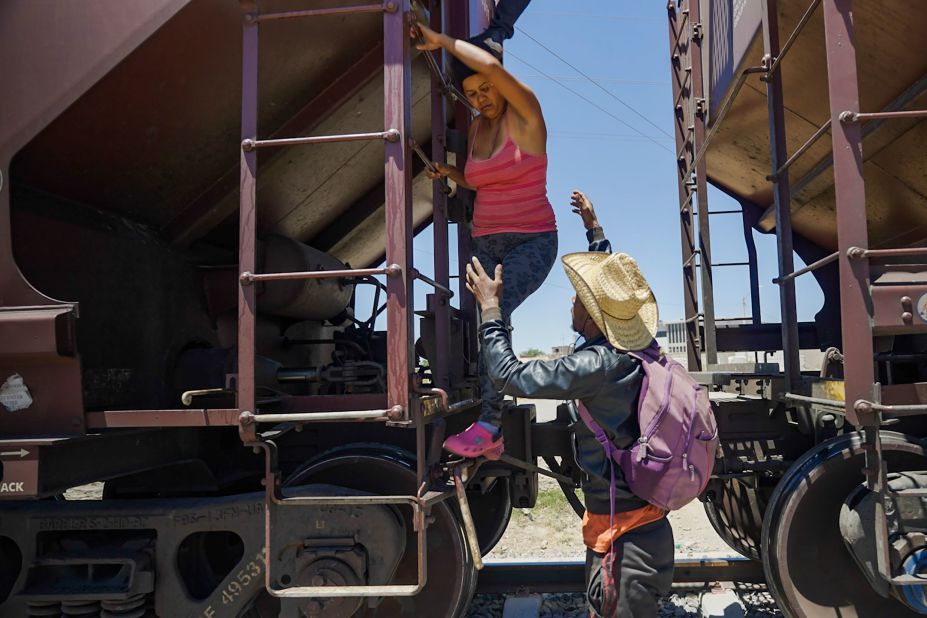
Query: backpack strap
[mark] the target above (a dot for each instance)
(649, 354)
(611, 454)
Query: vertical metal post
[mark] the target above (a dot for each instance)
(850, 191)
(247, 216)
(459, 27)
(686, 153)
(755, 311)
(397, 90)
(441, 304)
(781, 196)
(699, 114)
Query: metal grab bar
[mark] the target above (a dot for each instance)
(391, 135)
(832, 403)
(794, 36)
(248, 278)
(391, 414)
(807, 269)
(804, 148)
(866, 407)
(858, 253)
(437, 286)
(849, 116)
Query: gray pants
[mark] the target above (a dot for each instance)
(645, 562)
(526, 260)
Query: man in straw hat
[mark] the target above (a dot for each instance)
(614, 311)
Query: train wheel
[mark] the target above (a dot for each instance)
(808, 567)
(388, 470)
(736, 513)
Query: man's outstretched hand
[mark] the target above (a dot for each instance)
(582, 206)
(487, 290)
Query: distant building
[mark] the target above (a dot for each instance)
(560, 350)
(672, 338)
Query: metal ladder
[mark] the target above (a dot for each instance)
(692, 138)
(401, 408)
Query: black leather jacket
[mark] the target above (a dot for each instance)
(607, 381)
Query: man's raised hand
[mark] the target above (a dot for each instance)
(487, 290)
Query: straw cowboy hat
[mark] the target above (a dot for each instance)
(616, 295)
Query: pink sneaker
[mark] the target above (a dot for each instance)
(475, 441)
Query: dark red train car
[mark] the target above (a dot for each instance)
(811, 115)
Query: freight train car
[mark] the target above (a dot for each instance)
(812, 116)
(192, 193)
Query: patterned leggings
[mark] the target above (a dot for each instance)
(526, 261)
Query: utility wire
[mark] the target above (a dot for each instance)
(591, 102)
(612, 80)
(597, 84)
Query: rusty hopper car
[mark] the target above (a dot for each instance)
(811, 114)
(191, 194)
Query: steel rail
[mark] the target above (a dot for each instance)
(794, 36)
(389, 7)
(248, 278)
(570, 576)
(807, 269)
(390, 135)
(804, 148)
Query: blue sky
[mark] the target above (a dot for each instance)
(630, 178)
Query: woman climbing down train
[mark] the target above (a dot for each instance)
(513, 221)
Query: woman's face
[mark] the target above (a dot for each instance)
(483, 96)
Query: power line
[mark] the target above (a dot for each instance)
(590, 102)
(597, 84)
(596, 136)
(612, 80)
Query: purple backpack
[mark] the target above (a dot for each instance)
(671, 462)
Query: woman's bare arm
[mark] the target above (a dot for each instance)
(518, 95)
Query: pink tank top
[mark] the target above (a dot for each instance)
(511, 192)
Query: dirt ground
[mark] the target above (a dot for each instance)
(552, 530)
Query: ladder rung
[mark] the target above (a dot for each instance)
(308, 592)
(719, 264)
(363, 500)
(392, 270)
(393, 414)
(392, 135)
(387, 7)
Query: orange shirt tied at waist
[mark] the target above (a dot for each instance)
(599, 536)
